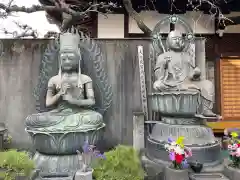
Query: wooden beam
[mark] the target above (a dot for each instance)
(94, 16)
(126, 25)
(217, 85)
(142, 35)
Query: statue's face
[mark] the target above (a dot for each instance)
(69, 60)
(175, 41)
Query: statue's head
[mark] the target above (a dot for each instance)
(175, 41)
(69, 51)
(69, 60)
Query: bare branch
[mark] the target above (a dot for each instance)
(214, 11)
(27, 31)
(69, 12)
(51, 34)
(62, 8)
(136, 17)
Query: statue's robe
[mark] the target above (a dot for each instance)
(66, 116)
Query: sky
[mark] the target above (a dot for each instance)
(36, 20)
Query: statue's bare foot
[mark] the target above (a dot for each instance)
(209, 113)
(159, 86)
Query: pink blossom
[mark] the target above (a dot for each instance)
(233, 153)
(234, 147)
(188, 153)
(237, 153)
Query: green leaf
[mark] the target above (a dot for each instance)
(15, 163)
(122, 163)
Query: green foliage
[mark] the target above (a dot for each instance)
(235, 162)
(122, 163)
(14, 163)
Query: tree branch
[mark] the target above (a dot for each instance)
(27, 31)
(69, 12)
(62, 8)
(132, 13)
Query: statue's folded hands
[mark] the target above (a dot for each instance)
(79, 102)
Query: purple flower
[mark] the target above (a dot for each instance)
(185, 164)
(85, 147)
(172, 156)
(101, 156)
(170, 140)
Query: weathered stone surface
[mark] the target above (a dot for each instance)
(83, 175)
(153, 170)
(231, 173)
(138, 131)
(208, 176)
(175, 174)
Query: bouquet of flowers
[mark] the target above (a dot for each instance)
(178, 153)
(234, 150)
(87, 155)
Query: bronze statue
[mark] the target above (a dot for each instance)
(70, 92)
(183, 99)
(175, 70)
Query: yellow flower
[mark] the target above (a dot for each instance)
(180, 141)
(234, 134)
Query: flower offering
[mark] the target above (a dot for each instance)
(234, 150)
(178, 153)
(88, 155)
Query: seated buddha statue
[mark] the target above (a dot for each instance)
(174, 70)
(70, 93)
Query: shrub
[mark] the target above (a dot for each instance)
(122, 163)
(14, 163)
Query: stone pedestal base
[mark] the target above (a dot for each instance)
(63, 142)
(205, 148)
(155, 171)
(50, 165)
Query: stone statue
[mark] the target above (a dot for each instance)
(70, 92)
(175, 70)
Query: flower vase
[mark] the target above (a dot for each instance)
(231, 172)
(175, 174)
(196, 166)
(81, 175)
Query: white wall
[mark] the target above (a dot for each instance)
(113, 25)
(233, 28)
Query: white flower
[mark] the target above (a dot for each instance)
(179, 150)
(166, 146)
(230, 147)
